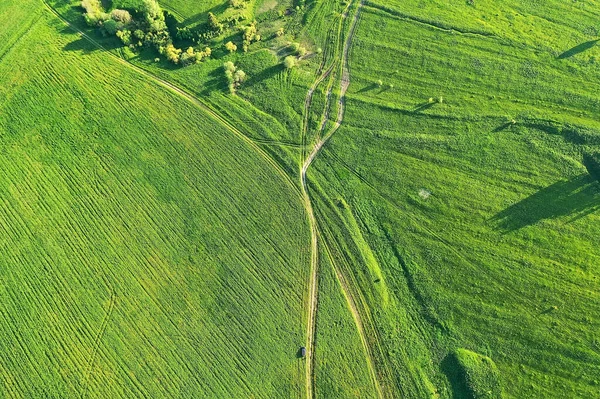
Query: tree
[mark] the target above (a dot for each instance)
(229, 66)
(125, 36)
(239, 76)
(289, 62)
(188, 57)
(121, 16)
(172, 53)
(231, 47)
(94, 13)
(214, 23)
(235, 77)
(154, 16)
(151, 10)
(111, 26)
(249, 35)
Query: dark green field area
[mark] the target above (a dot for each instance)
(479, 209)
(410, 210)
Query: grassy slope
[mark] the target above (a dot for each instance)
(509, 231)
(140, 256)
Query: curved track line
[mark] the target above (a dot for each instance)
(313, 283)
(181, 92)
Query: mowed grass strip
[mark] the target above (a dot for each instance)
(146, 251)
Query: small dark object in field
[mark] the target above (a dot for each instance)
(302, 351)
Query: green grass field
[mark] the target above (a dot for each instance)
(146, 250)
(416, 203)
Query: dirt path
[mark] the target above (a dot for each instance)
(303, 192)
(313, 283)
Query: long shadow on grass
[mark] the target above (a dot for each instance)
(576, 197)
(580, 48)
(370, 87)
(423, 107)
(264, 74)
(453, 370)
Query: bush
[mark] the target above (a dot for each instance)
(289, 62)
(231, 47)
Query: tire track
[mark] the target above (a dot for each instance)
(363, 324)
(97, 342)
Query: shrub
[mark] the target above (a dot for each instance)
(289, 62)
(231, 47)
(121, 16)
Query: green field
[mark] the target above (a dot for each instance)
(415, 203)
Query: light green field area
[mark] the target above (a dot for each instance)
(446, 154)
(146, 250)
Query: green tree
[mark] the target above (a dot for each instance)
(289, 62)
(111, 26)
(231, 47)
(214, 23)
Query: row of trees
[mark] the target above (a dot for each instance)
(148, 29)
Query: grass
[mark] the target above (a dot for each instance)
(340, 360)
(150, 252)
(508, 231)
(139, 257)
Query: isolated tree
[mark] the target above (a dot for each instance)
(231, 47)
(239, 76)
(289, 62)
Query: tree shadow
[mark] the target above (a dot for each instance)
(576, 197)
(265, 74)
(503, 126)
(580, 48)
(383, 89)
(370, 87)
(81, 45)
(217, 82)
(455, 374)
(203, 16)
(423, 107)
